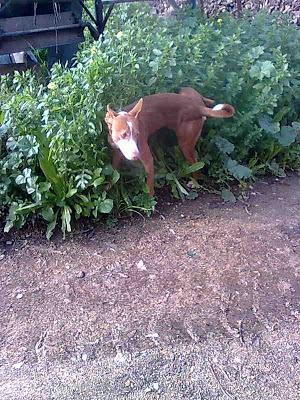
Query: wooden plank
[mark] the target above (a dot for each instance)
(41, 40)
(17, 24)
(28, 2)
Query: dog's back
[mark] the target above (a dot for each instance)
(193, 94)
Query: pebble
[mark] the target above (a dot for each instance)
(140, 265)
(191, 253)
(128, 383)
(18, 365)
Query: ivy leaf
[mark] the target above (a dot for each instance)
(108, 170)
(157, 52)
(267, 68)
(44, 187)
(195, 167)
(115, 177)
(224, 145)
(237, 170)
(48, 214)
(98, 181)
(296, 126)
(168, 73)
(28, 146)
(3, 129)
(228, 196)
(262, 69)
(71, 193)
(106, 206)
(287, 136)
(267, 124)
(20, 179)
(154, 66)
(281, 113)
(276, 170)
(257, 51)
(152, 80)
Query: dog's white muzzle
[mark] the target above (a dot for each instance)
(129, 148)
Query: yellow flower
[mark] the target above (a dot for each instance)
(93, 50)
(119, 35)
(219, 20)
(51, 86)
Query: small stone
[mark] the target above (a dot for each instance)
(2, 256)
(81, 274)
(18, 365)
(128, 383)
(140, 265)
(152, 335)
(9, 242)
(119, 358)
(19, 296)
(84, 357)
(191, 253)
(155, 386)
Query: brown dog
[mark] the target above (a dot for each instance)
(184, 113)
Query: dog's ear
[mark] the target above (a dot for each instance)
(136, 109)
(110, 115)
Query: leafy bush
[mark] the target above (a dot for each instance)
(55, 161)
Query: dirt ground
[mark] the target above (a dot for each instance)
(199, 302)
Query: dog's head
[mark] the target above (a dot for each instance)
(124, 129)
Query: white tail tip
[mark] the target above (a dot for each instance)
(218, 107)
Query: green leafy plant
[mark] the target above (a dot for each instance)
(54, 156)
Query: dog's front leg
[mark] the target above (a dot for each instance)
(116, 158)
(147, 160)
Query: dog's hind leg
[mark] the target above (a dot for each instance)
(187, 137)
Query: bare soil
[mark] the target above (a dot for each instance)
(199, 302)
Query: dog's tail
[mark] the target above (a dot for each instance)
(218, 111)
(208, 102)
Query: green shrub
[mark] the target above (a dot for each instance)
(55, 161)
